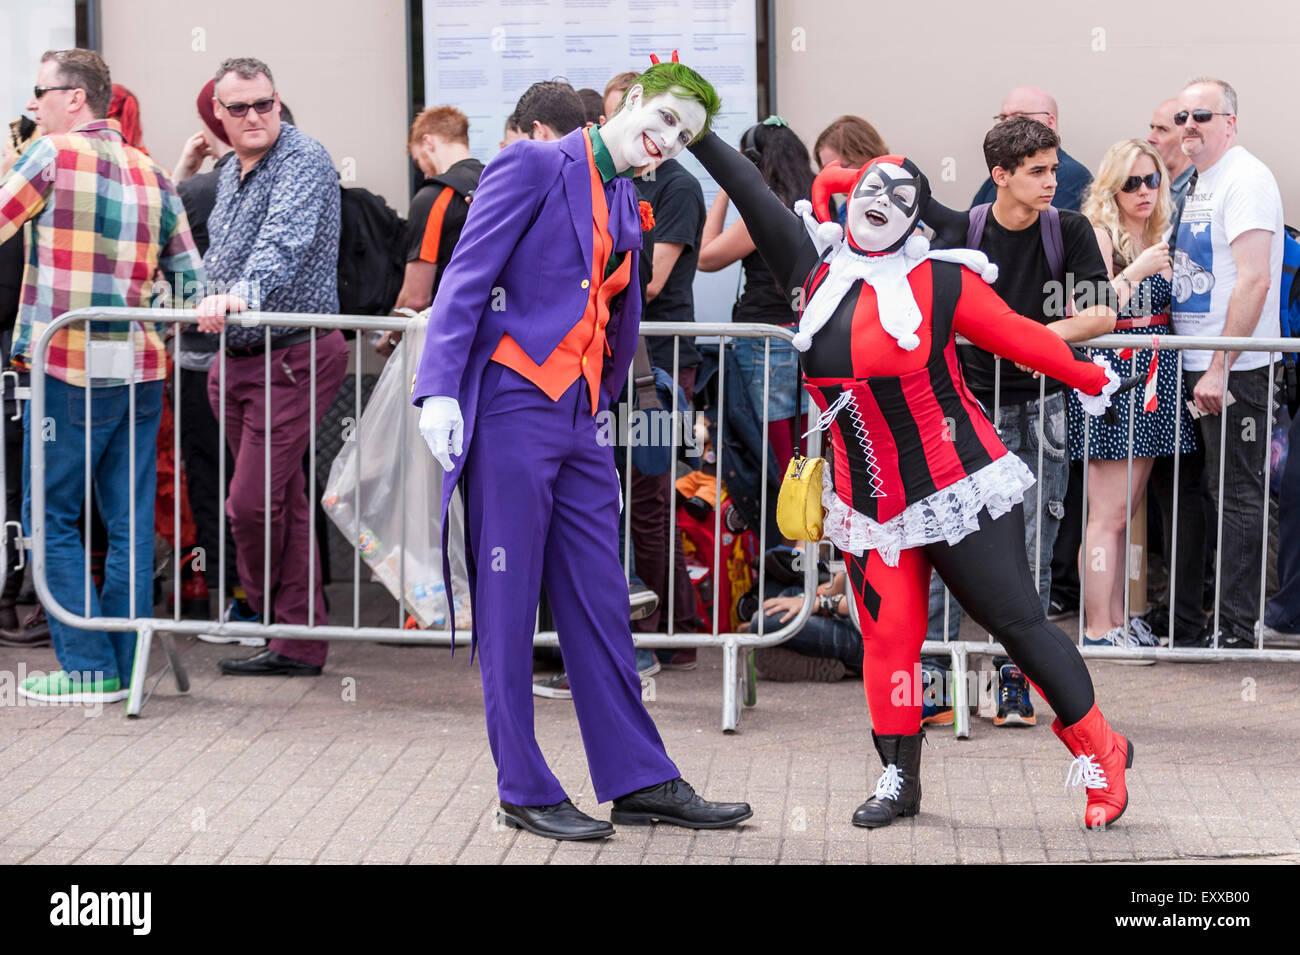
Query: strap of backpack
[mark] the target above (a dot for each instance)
(1053, 244)
(975, 230)
(643, 379)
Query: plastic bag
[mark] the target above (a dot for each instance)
(400, 488)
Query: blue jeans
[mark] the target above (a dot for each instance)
(89, 652)
(833, 637)
(1018, 427)
(783, 376)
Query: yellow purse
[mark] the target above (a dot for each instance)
(799, 511)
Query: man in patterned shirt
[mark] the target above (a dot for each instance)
(274, 243)
(107, 225)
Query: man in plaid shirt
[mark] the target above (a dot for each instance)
(108, 230)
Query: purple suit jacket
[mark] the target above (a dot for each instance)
(519, 268)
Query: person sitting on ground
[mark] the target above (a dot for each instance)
(826, 650)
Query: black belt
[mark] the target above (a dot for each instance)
(284, 341)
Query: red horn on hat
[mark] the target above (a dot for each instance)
(834, 178)
(674, 56)
(654, 59)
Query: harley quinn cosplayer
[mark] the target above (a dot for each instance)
(920, 478)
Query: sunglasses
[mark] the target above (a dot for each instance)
(1133, 183)
(239, 110)
(39, 91)
(1200, 115)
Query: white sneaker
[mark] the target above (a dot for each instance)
(1279, 639)
(1142, 632)
(1121, 638)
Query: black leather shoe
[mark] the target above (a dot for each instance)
(268, 663)
(563, 821)
(677, 804)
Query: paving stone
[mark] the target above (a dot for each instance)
(279, 772)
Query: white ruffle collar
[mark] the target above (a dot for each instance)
(886, 274)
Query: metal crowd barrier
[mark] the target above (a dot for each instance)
(960, 650)
(733, 644)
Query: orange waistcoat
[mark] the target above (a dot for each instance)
(581, 353)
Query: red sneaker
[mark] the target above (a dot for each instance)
(1101, 756)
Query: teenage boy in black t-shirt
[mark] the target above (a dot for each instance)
(1022, 158)
(439, 145)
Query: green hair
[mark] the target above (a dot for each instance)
(680, 80)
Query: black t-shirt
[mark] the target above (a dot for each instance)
(199, 195)
(1025, 282)
(678, 205)
(11, 280)
(433, 226)
(762, 300)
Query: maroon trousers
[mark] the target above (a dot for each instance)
(287, 509)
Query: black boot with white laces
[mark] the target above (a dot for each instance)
(898, 790)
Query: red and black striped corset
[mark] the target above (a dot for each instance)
(905, 424)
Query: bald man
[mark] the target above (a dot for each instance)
(1072, 177)
(1167, 138)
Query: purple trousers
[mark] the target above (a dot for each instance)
(541, 505)
(287, 510)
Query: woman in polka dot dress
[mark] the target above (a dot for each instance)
(1129, 207)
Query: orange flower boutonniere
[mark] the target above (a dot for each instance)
(647, 216)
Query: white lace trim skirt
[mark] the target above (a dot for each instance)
(948, 514)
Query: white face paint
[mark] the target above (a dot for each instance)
(875, 219)
(652, 130)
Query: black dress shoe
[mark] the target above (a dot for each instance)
(563, 821)
(677, 804)
(268, 663)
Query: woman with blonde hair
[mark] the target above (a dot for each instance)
(1129, 207)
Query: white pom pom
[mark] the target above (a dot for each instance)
(916, 246)
(802, 341)
(802, 207)
(989, 273)
(909, 341)
(829, 233)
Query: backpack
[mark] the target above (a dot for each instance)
(371, 263)
(1289, 317)
(1289, 301)
(1049, 226)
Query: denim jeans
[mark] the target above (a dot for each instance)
(89, 652)
(1018, 427)
(1249, 425)
(782, 380)
(832, 637)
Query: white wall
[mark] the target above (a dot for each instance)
(339, 64)
(930, 76)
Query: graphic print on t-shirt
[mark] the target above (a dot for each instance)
(1194, 266)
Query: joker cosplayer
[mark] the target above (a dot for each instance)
(530, 335)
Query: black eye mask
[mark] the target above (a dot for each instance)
(889, 188)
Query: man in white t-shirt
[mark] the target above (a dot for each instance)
(1227, 279)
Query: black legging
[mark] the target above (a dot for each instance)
(988, 574)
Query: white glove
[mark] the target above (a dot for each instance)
(1097, 404)
(442, 428)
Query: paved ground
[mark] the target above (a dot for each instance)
(384, 759)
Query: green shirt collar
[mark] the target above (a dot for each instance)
(604, 161)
